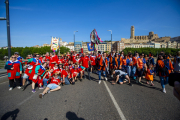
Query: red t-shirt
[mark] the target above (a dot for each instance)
(93, 60)
(48, 74)
(64, 72)
(47, 57)
(60, 61)
(85, 61)
(55, 81)
(74, 72)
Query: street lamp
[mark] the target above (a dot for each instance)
(111, 39)
(8, 28)
(74, 39)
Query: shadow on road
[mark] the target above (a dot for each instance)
(73, 116)
(12, 114)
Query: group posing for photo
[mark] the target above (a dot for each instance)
(51, 71)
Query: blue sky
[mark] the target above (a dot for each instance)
(33, 22)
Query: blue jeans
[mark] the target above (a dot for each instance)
(133, 71)
(67, 81)
(104, 73)
(163, 81)
(45, 82)
(88, 71)
(128, 69)
(121, 79)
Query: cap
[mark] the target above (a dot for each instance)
(16, 53)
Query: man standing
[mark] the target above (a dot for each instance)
(102, 67)
(18, 56)
(85, 63)
(33, 62)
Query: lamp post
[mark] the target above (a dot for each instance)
(111, 39)
(8, 28)
(74, 39)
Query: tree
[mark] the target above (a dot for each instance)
(25, 52)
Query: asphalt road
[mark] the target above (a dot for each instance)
(90, 101)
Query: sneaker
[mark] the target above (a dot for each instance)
(33, 91)
(125, 80)
(106, 78)
(141, 83)
(23, 88)
(40, 95)
(130, 84)
(164, 90)
(18, 87)
(73, 83)
(48, 91)
(41, 87)
(99, 81)
(10, 88)
(80, 79)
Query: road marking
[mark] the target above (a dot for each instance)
(27, 99)
(3, 76)
(3, 82)
(115, 103)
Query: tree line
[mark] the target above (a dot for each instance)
(154, 51)
(30, 50)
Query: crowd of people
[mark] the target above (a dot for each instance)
(51, 71)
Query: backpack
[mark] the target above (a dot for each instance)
(148, 62)
(164, 69)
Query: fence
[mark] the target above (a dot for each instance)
(2, 64)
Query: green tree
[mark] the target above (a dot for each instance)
(25, 52)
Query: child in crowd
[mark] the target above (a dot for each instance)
(149, 74)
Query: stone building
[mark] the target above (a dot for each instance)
(118, 46)
(144, 37)
(70, 46)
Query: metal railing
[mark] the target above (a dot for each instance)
(2, 64)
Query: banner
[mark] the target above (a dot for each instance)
(90, 48)
(54, 44)
(94, 38)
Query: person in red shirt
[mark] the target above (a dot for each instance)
(66, 76)
(93, 62)
(77, 60)
(74, 74)
(43, 59)
(85, 63)
(47, 55)
(53, 60)
(47, 77)
(53, 86)
(60, 60)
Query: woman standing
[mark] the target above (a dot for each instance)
(14, 71)
(141, 63)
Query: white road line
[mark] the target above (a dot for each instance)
(3, 76)
(27, 99)
(3, 82)
(115, 103)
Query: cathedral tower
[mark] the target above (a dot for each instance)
(132, 32)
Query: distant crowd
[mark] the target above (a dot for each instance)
(52, 71)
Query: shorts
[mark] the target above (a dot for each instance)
(25, 76)
(140, 73)
(121, 79)
(52, 86)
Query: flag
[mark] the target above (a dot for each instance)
(90, 48)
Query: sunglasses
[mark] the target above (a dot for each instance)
(13, 57)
